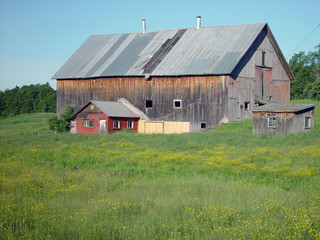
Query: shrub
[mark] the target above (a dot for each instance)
(61, 123)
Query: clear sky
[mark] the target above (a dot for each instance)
(38, 36)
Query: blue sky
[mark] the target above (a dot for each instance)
(37, 36)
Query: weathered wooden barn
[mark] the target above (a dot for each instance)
(204, 76)
(103, 117)
(283, 118)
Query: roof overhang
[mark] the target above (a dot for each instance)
(281, 108)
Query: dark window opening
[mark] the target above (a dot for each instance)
(263, 58)
(149, 104)
(177, 104)
(246, 105)
(307, 122)
(130, 124)
(203, 125)
(116, 124)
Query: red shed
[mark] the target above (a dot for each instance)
(103, 117)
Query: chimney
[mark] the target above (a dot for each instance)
(198, 22)
(143, 25)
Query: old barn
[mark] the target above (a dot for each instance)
(283, 118)
(203, 76)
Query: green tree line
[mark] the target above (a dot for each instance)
(27, 99)
(306, 69)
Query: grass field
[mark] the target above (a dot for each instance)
(224, 183)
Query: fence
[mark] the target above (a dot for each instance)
(162, 127)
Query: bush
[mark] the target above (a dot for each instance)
(62, 123)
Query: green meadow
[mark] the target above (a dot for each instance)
(223, 183)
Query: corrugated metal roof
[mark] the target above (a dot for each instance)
(210, 50)
(114, 109)
(278, 107)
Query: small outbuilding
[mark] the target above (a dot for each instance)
(275, 118)
(103, 117)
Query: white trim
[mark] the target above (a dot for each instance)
(130, 124)
(177, 101)
(116, 124)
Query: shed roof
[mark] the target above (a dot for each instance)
(112, 109)
(280, 108)
(204, 51)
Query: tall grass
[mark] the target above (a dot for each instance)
(224, 183)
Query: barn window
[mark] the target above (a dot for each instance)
(246, 105)
(91, 107)
(116, 124)
(149, 104)
(177, 104)
(307, 122)
(203, 125)
(272, 122)
(88, 123)
(130, 124)
(263, 58)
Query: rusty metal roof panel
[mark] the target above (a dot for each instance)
(210, 50)
(278, 107)
(149, 51)
(114, 109)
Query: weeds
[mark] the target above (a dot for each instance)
(221, 184)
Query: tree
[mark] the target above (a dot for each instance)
(27, 99)
(306, 69)
(62, 123)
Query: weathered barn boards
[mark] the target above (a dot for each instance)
(102, 117)
(204, 76)
(283, 118)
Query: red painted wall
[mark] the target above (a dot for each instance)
(123, 124)
(95, 129)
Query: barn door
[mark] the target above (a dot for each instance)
(263, 81)
(102, 126)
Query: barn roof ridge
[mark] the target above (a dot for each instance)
(176, 29)
(213, 50)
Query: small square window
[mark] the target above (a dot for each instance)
(116, 124)
(88, 123)
(307, 122)
(177, 104)
(149, 104)
(203, 125)
(130, 124)
(272, 122)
